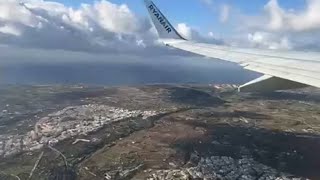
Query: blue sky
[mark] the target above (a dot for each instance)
(196, 14)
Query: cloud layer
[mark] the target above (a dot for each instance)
(290, 20)
(105, 27)
(280, 28)
(101, 26)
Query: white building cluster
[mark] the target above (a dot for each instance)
(69, 122)
(222, 167)
(224, 86)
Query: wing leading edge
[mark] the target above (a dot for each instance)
(281, 69)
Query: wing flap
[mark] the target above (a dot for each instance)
(309, 80)
(268, 83)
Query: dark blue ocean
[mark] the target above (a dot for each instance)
(45, 68)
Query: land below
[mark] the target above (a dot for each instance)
(158, 132)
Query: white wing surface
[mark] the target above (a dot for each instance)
(281, 69)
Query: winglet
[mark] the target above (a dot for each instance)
(163, 26)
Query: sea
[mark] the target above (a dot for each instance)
(59, 67)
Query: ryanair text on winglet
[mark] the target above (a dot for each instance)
(160, 18)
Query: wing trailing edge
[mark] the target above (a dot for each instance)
(267, 83)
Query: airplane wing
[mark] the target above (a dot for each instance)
(282, 69)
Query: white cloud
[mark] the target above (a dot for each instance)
(290, 20)
(10, 11)
(269, 41)
(207, 2)
(278, 19)
(275, 15)
(194, 35)
(91, 27)
(111, 17)
(185, 31)
(100, 27)
(279, 28)
(224, 13)
(10, 29)
(106, 27)
(211, 34)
